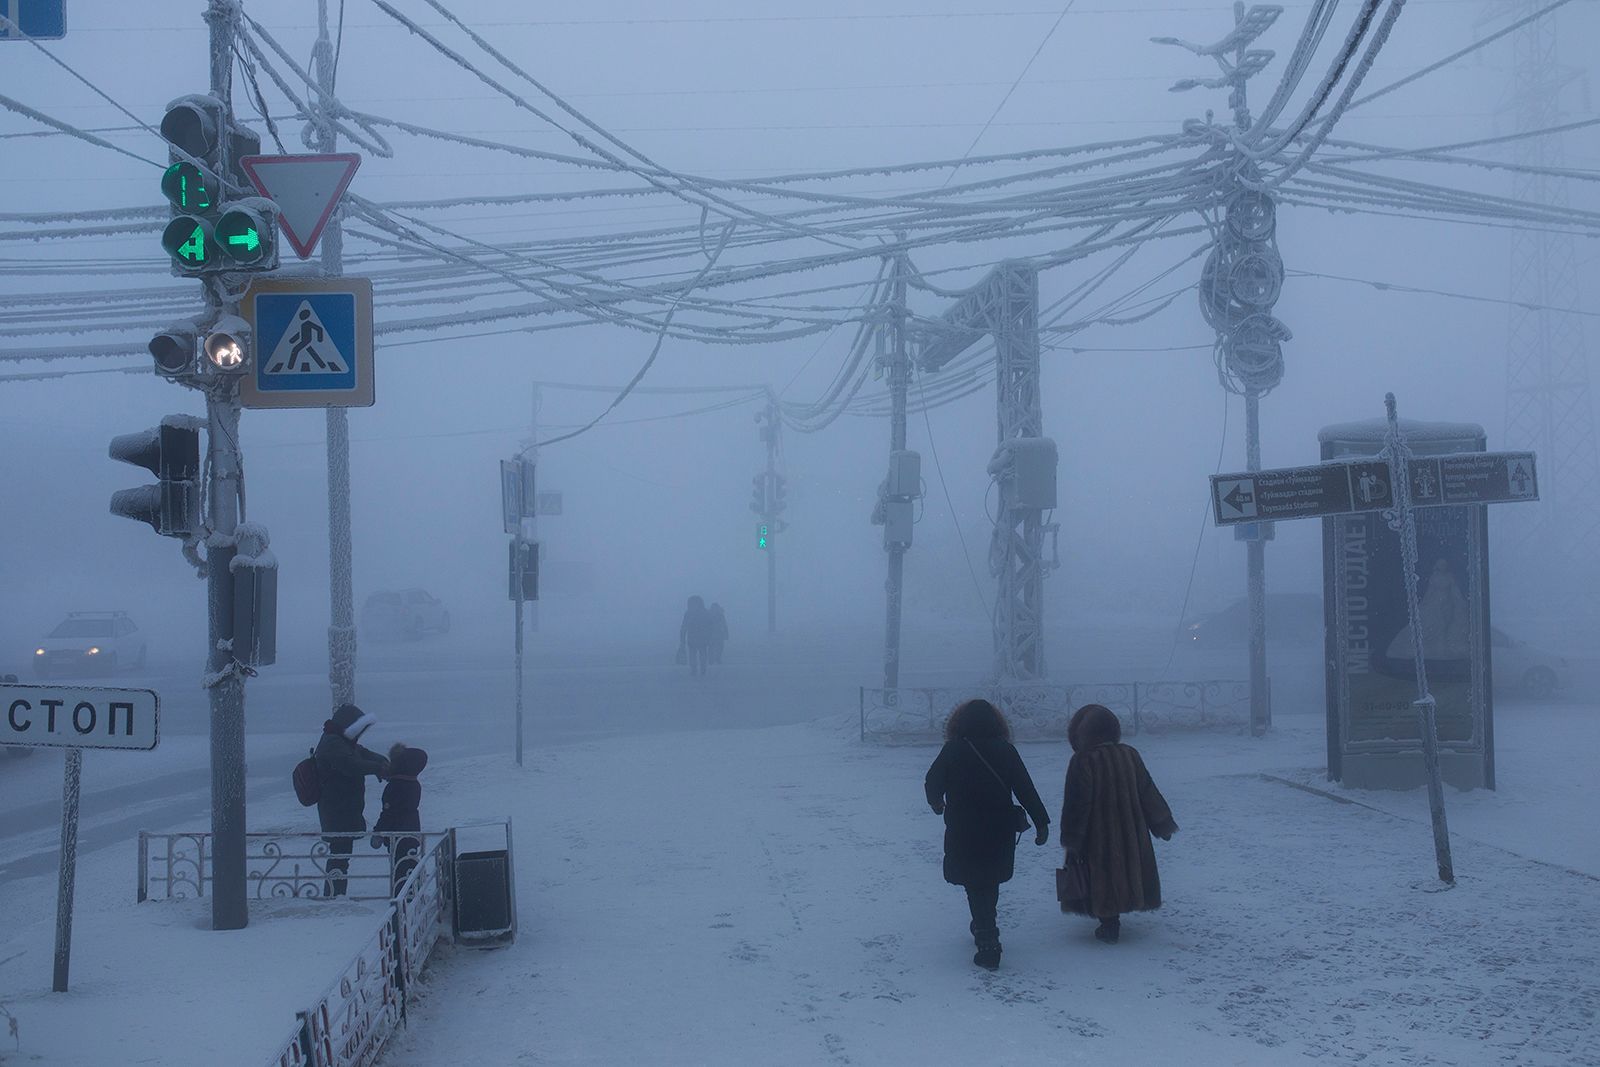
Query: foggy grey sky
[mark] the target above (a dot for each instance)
(660, 508)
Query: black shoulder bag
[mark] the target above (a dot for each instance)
(1019, 814)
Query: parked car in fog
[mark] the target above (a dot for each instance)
(403, 613)
(91, 642)
(1521, 668)
(1295, 618)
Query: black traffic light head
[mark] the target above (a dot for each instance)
(175, 350)
(170, 451)
(194, 125)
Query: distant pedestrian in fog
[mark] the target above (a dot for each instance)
(971, 784)
(694, 636)
(402, 801)
(719, 634)
(1110, 809)
(342, 769)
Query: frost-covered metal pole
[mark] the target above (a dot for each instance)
(517, 588)
(69, 867)
(229, 906)
(899, 383)
(1403, 519)
(341, 594)
(1256, 581)
(772, 514)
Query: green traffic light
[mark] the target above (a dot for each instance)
(189, 241)
(187, 186)
(239, 233)
(761, 538)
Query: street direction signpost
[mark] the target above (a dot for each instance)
(313, 343)
(1345, 487)
(75, 718)
(1397, 482)
(306, 188)
(42, 20)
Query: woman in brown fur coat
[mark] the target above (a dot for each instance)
(1110, 810)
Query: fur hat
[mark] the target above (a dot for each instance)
(1093, 724)
(351, 721)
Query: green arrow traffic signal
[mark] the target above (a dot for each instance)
(190, 241)
(244, 232)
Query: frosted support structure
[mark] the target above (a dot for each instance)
(1403, 520)
(341, 595)
(1005, 306)
(899, 370)
(67, 885)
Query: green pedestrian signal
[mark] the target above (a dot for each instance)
(188, 187)
(190, 242)
(761, 537)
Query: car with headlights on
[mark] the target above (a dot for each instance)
(91, 642)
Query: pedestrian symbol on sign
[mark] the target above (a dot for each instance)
(305, 347)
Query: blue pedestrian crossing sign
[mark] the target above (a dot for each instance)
(39, 20)
(312, 343)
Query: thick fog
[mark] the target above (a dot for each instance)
(657, 510)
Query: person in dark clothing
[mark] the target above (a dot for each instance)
(971, 784)
(402, 798)
(694, 636)
(342, 769)
(719, 634)
(1109, 810)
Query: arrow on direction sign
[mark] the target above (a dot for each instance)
(1237, 498)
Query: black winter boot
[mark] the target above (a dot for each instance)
(988, 954)
(1109, 930)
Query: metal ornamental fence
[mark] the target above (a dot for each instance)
(1041, 712)
(178, 866)
(350, 1023)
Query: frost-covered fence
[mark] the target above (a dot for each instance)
(179, 866)
(350, 1023)
(1041, 712)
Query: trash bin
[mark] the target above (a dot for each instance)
(485, 884)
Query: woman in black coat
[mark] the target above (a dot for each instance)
(971, 784)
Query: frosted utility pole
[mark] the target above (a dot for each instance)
(229, 906)
(1403, 519)
(899, 382)
(1238, 287)
(341, 594)
(774, 506)
(1549, 405)
(530, 523)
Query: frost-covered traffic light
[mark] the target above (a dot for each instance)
(212, 229)
(758, 494)
(171, 452)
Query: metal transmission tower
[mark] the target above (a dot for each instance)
(1238, 287)
(1549, 408)
(1005, 306)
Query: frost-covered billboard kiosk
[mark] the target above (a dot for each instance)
(1374, 737)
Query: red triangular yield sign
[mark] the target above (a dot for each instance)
(306, 189)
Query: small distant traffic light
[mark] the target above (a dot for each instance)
(524, 569)
(171, 452)
(209, 230)
(758, 494)
(779, 493)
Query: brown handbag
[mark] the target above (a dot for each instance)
(1072, 884)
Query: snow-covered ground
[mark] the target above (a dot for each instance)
(773, 896)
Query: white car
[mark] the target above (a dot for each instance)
(1522, 668)
(90, 642)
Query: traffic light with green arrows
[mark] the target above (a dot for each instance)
(212, 230)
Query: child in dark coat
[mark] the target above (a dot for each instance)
(402, 798)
